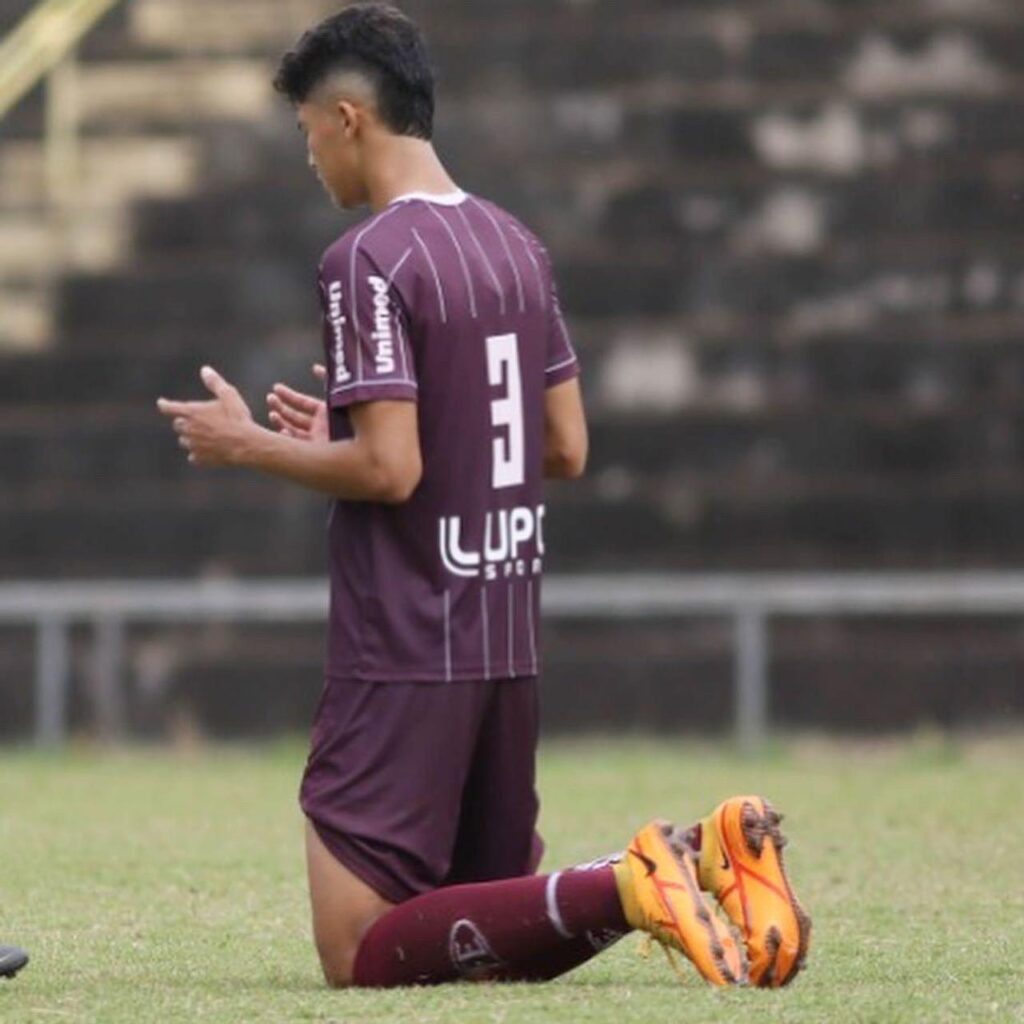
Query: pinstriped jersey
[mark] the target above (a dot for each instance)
(448, 302)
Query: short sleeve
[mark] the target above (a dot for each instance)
(366, 332)
(561, 364)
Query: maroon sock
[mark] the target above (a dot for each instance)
(520, 929)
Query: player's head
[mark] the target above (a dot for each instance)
(356, 76)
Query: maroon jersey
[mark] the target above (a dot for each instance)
(449, 302)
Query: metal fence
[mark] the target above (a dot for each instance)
(751, 601)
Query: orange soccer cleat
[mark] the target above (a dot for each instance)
(661, 895)
(741, 865)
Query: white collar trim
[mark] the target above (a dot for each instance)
(442, 199)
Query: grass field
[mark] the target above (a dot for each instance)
(162, 887)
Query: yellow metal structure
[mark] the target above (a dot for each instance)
(41, 41)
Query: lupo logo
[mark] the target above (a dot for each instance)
(507, 550)
(382, 335)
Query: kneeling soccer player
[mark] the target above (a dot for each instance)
(451, 391)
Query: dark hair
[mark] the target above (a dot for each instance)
(382, 43)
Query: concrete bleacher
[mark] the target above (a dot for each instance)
(787, 237)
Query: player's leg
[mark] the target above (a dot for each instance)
(494, 918)
(497, 829)
(343, 909)
(534, 928)
(497, 835)
(12, 960)
(504, 930)
(381, 792)
(383, 789)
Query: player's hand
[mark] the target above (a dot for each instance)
(214, 432)
(297, 415)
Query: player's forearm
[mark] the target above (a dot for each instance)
(341, 469)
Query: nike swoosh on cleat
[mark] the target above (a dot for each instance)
(649, 864)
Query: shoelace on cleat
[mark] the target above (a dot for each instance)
(644, 951)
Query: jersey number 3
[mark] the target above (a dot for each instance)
(509, 468)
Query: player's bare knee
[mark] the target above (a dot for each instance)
(337, 947)
(338, 967)
(337, 941)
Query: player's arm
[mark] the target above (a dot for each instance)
(382, 461)
(565, 431)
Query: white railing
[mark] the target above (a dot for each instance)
(749, 600)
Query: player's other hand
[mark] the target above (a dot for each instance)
(297, 415)
(214, 433)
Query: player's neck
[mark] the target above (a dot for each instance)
(406, 165)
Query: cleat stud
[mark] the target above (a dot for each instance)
(772, 942)
(754, 828)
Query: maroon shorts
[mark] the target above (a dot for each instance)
(417, 785)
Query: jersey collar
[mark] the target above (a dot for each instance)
(442, 198)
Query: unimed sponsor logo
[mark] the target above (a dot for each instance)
(336, 317)
(383, 337)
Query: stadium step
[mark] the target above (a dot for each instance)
(145, 532)
(28, 247)
(176, 520)
(26, 315)
(37, 246)
(74, 379)
(114, 171)
(224, 27)
(180, 94)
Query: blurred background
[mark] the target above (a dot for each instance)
(788, 239)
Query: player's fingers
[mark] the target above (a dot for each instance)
(320, 371)
(169, 408)
(275, 403)
(296, 399)
(295, 429)
(298, 420)
(184, 442)
(283, 423)
(214, 382)
(179, 424)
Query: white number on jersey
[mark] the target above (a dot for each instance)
(509, 469)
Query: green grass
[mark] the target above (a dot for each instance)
(162, 887)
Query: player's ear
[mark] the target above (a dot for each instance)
(349, 115)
